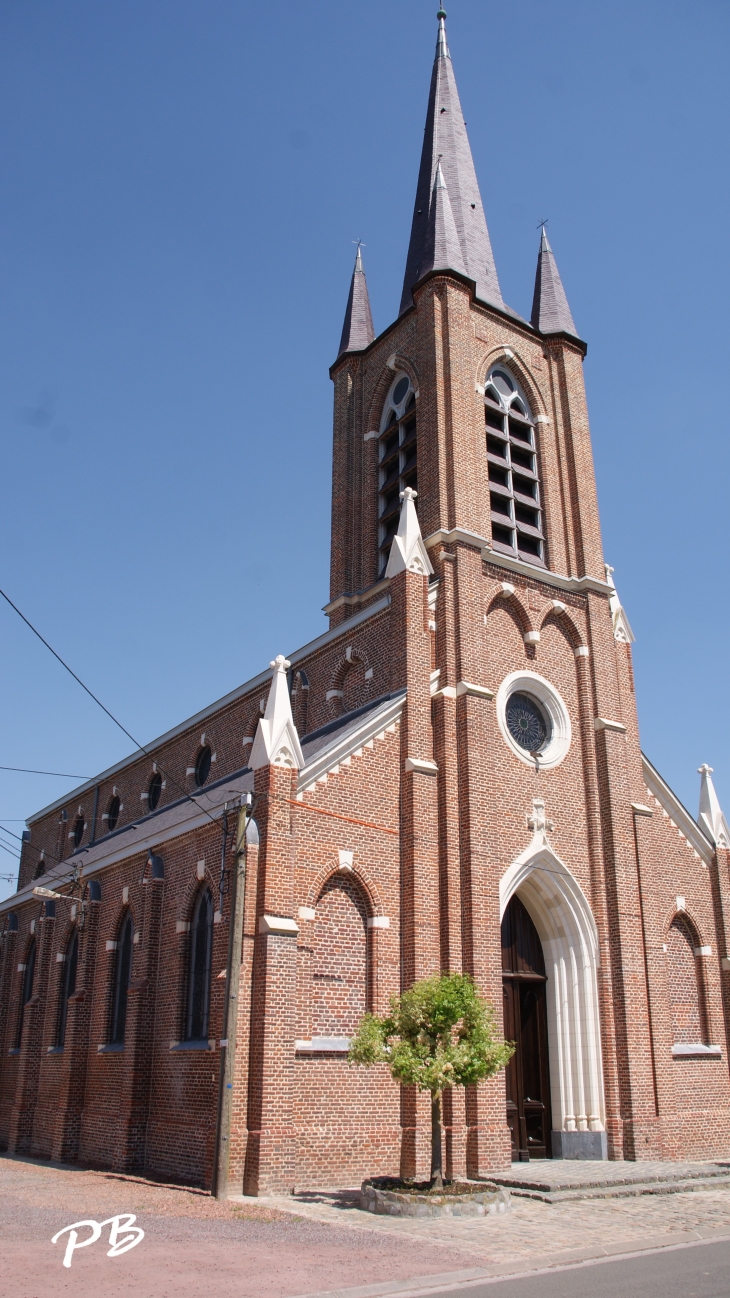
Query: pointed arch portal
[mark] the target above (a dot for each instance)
(564, 924)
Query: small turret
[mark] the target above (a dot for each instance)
(550, 310)
(357, 331)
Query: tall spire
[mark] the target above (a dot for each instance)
(357, 331)
(550, 310)
(446, 141)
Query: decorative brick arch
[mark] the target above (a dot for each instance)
(517, 366)
(511, 604)
(341, 956)
(365, 881)
(563, 622)
(382, 387)
(300, 700)
(352, 659)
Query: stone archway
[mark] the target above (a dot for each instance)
(564, 921)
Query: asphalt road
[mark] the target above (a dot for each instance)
(697, 1271)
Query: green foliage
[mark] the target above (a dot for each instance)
(440, 1033)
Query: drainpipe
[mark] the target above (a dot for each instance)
(230, 1006)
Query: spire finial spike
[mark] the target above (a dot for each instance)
(446, 141)
(711, 817)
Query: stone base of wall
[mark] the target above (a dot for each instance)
(580, 1144)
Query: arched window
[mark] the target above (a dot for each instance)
(514, 482)
(201, 950)
(79, 827)
(398, 459)
(68, 985)
(154, 791)
(340, 959)
(26, 990)
(40, 868)
(112, 815)
(686, 985)
(122, 976)
(202, 766)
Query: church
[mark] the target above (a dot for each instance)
(449, 778)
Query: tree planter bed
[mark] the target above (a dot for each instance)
(394, 1198)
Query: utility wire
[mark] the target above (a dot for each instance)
(62, 775)
(111, 716)
(9, 851)
(56, 860)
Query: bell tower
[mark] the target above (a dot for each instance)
(462, 399)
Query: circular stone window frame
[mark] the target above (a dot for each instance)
(545, 694)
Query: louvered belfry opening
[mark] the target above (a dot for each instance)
(398, 462)
(514, 482)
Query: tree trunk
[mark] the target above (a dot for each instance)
(437, 1179)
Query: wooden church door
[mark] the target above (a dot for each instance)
(525, 1023)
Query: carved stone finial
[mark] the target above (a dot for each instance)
(280, 663)
(276, 742)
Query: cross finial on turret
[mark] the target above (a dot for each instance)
(280, 663)
(408, 494)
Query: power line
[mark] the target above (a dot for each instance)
(141, 748)
(62, 775)
(9, 852)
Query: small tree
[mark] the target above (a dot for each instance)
(438, 1034)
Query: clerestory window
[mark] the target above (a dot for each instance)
(68, 986)
(201, 951)
(514, 482)
(398, 461)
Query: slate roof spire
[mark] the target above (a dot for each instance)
(550, 310)
(446, 141)
(357, 331)
(442, 250)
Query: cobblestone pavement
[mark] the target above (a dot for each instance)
(537, 1233)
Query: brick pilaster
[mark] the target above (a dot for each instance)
(270, 1151)
(72, 1085)
(22, 1117)
(129, 1154)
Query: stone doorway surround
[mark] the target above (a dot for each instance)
(564, 921)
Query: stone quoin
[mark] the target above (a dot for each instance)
(449, 778)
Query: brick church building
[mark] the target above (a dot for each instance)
(449, 778)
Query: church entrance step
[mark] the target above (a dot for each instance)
(560, 1180)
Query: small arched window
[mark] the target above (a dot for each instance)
(79, 827)
(398, 461)
(40, 869)
(686, 984)
(202, 765)
(122, 976)
(112, 815)
(201, 951)
(26, 990)
(154, 791)
(68, 985)
(514, 482)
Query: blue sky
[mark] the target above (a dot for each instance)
(181, 185)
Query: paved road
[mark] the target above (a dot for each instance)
(699, 1271)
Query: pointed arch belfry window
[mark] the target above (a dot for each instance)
(122, 976)
(201, 951)
(398, 461)
(514, 480)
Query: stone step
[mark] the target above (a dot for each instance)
(615, 1189)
